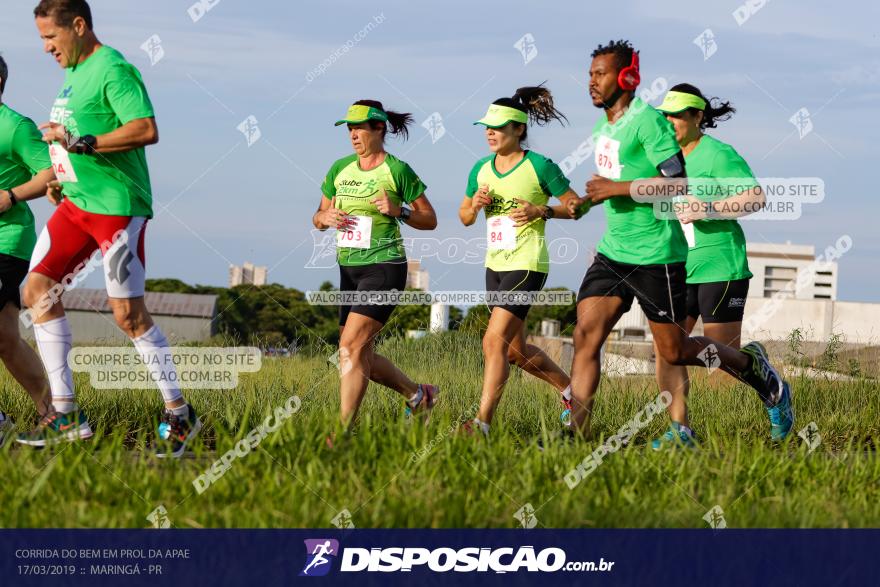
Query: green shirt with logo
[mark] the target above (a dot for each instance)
(628, 150)
(22, 155)
(717, 247)
(354, 189)
(99, 95)
(534, 179)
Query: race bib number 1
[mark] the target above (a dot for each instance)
(608, 157)
(500, 233)
(358, 235)
(61, 164)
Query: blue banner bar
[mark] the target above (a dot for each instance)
(439, 557)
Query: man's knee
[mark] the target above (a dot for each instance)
(35, 290)
(132, 318)
(673, 354)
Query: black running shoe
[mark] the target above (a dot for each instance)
(175, 433)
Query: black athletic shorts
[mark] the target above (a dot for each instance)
(12, 272)
(660, 289)
(718, 302)
(515, 281)
(377, 277)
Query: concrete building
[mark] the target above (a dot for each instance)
(248, 274)
(182, 317)
(790, 290)
(415, 277)
(776, 268)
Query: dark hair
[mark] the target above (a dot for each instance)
(537, 102)
(398, 122)
(65, 11)
(715, 111)
(622, 51)
(4, 73)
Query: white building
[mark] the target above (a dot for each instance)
(248, 274)
(776, 267)
(415, 277)
(780, 301)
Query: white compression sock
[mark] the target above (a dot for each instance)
(54, 341)
(566, 393)
(152, 346)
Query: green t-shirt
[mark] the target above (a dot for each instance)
(534, 179)
(627, 150)
(99, 95)
(376, 239)
(717, 247)
(22, 155)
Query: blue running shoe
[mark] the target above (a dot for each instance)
(677, 436)
(781, 415)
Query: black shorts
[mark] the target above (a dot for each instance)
(660, 289)
(377, 277)
(521, 280)
(719, 302)
(12, 272)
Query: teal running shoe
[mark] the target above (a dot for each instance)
(781, 415)
(677, 436)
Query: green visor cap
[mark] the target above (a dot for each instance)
(498, 116)
(676, 102)
(360, 113)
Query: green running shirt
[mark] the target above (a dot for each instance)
(99, 95)
(376, 239)
(717, 247)
(628, 150)
(22, 155)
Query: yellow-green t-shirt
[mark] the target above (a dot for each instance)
(534, 179)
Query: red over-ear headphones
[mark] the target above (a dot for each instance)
(628, 79)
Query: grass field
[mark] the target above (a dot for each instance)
(391, 474)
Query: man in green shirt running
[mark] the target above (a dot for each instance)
(25, 171)
(99, 125)
(640, 255)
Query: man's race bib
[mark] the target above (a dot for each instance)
(358, 234)
(689, 234)
(608, 157)
(61, 164)
(500, 233)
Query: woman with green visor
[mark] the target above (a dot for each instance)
(365, 198)
(722, 188)
(513, 186)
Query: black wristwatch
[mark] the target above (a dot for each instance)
(548, 213)
(405, 213)
(84, 145)
(12, 199)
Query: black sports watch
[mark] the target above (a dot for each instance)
(548, 213)
(405, 213)
(84, 145)
(12, 199)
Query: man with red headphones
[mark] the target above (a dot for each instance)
(642, 254)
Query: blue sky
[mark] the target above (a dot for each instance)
(220, 201)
